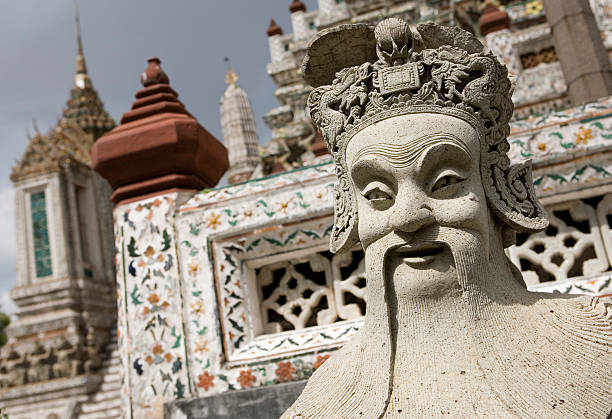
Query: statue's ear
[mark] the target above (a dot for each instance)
(331, 123)
(512, 196)
(344, 234)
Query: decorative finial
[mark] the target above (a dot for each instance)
(393, 41)
(154, 73)
(81, 79)
(492, 19)
(230, 77)
(297, 6)
(274, 29)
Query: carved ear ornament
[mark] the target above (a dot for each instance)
(435, 69)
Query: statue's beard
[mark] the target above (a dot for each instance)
(444, 260)
(399, 309)
(465, 279)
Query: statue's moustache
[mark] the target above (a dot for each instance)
(466, 246)
(452, 237)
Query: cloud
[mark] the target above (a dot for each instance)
(7, 305)
(7, 249)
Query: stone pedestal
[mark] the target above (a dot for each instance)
(257, 403)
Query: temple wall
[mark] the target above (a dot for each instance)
(527, 49)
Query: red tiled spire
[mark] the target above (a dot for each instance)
(154, 74)
(493, 19)
(159, 146)
(297, 6)
(274, 29)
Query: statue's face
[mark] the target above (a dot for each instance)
(418, 176)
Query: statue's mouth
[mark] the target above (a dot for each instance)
(419, 255)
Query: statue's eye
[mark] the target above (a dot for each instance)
(378, 196)
(446, 181)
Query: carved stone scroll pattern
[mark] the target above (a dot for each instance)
(315, 290)
(262, 216)
(571, 247)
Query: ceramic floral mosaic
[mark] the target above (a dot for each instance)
(524, 10)
(537, 88)
(602, 9)
(151, 313)
(578, 135)
(500, 43)
(599, 286)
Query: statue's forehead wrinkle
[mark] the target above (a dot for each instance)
(407, 153)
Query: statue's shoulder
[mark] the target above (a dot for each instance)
(330, 383)
(582, 316)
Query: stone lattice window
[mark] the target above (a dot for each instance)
(313, 290)
(571, 247)
(42, 250)
(532, 59)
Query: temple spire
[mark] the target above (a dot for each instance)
(84, 107)
(81, 78)
(238, 129)
(230, 76)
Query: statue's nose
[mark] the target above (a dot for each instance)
(410, 218)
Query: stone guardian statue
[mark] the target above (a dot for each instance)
(417, 123)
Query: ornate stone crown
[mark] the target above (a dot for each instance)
(363, 75)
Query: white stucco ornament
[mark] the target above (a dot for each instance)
(418, 136)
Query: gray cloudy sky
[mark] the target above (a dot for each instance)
(191, 37)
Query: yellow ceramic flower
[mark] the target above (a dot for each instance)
(193, 267)
(149, 251)
(533, 7)
(153, 298)
(197, 307)
(584, 135)
(283, 206)
(202, 346)
(213, 220)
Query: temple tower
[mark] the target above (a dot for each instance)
(65, 285)
(84, 106)
(298, 21)
(239, 132)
